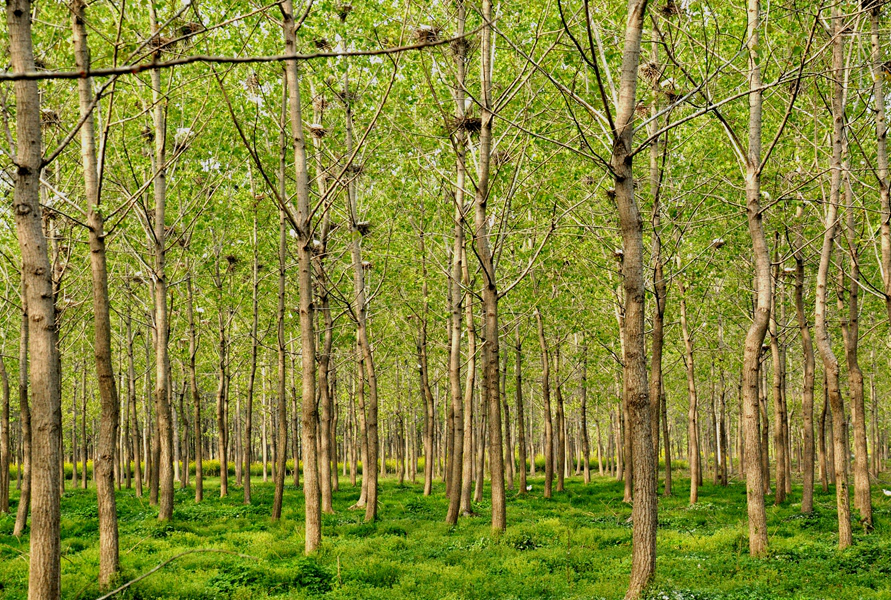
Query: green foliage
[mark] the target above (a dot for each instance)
(576, 545)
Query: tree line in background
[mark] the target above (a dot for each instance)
(338, 243)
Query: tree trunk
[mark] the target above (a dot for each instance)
(162, 325)
(37, 283)
(546, 404)
(807, 393)
(521, 426)
(491, 362)
(763, 292)
(693, 454)
(467, 467)
(104, 466)
(778, 358)
(281, 420)
(193, 389)
(560, 463)
(850, 334)
(247, 455)
(635, 387)
(821, 333)
(21, 518)
(4, 440)
(303, 228)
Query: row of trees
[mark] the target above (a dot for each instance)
(387, 231)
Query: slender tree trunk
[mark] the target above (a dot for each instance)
(193, 389)
(430, 416)
(778, 357)
(467, 467)
(108, 393)
(807, 393)
(162, 326)
(222, 388)
(546, 403)
(560, 464)
(821, 333)
(850, 334)
(360, 302)
(303, 228)
(4, 441)
(758, 327)
(635, 387)
(281, 420)
(521, 426)
(693, 454)
(37, 284)
(247, 445)
(583, 397)
(491, 362)
(21, 518)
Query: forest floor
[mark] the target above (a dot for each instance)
(576, 545)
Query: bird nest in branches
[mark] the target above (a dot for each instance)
(651, 71)
(347, 97)
(366, 265)
(161, 43)
(670, 8)
(316, 130)
(354, 169)
(672, 95)
(232, 261)
(642, 109)
(344, 10)
(363, 227)
(463, 46)
(323, 44)
(468, 124)
(49, 117)
(190, 29)
(588, 180)
(319, 104)
(147, 134)
(427, 34)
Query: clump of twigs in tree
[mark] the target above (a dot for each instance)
(363, 227)
(232, 261)
(161, 44)
(319, 103)
(670, 8)
(252, 82)
(316, 130)
(354, 169)
(190, 29)
(588, 180)
(148, 134)
(323, 44)
(468, 124)
(427, 34)
(651, 72)
(50, 117)
(642, 109)
(344, 10)
(366, 265)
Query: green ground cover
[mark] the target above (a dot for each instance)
(576, 545)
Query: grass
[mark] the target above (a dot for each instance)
(576, 545)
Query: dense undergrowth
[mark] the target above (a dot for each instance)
(576, 545)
